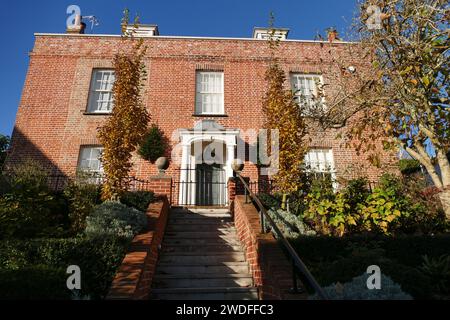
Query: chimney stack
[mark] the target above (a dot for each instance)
(264, 33)
(142, 30)
(78, 27)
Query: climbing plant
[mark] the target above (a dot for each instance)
(127, 125)
(284, 117)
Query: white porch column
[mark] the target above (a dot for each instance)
(230, 157)
(184, 174)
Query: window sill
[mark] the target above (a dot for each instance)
(96, 113)
(203, 115)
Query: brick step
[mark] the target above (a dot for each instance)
(200, 210)
(200, 227)
(203, 248)
(221, 240)
(224, 293)
(196, 221)
(201, 234)
(206, 215)
(200, 268)
(203, 281)
(205, 258)
(203, 254)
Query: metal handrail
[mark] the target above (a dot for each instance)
(297, 262)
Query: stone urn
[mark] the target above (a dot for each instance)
(237, 165)
(162, 164)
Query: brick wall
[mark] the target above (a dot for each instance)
(134, 277)
(271, 270)
(52, 123)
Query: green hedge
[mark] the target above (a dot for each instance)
(332, 259)
(98, 259)
(139, 200)
(32, 283)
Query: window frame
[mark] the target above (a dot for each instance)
(93, 91)
(313, 76)
(199, 106)
(325, 151)
(100, 171)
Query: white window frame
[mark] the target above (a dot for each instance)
(90, 159)
(202, 94)
(321, 160)
(296, 76)
(97, 89)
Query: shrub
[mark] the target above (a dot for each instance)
(97, 257)
(30, 209)
(386, 206)
(330, 215)
(437, 269)
(333, 259)
(409, 166)
(33, 282)
(139, 200)
(154, 145)
(4, 145)
(114, 218)
(82, 197)
(291, 225)
(357, 289)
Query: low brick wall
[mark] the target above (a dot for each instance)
(133, 279)
(271, 270)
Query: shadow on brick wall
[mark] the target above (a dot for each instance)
(23, 149)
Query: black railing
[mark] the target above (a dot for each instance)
(200, 187)
(59, 182)
(298, 266)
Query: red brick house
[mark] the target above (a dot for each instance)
(212, 84)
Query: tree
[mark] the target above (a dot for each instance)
(127, 126)
(284, 117)
(402, 98)
(4, 145)
(154, 144)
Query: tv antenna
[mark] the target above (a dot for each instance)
(93, 20)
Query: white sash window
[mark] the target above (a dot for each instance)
(209, 93)
(90, 159)
(305, 87)
(101, 95)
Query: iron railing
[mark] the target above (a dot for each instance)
(200, 187)
(59, 182)
(297, 264)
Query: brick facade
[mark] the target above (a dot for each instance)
(52, 123)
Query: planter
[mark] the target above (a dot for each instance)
(162, 164)
(237, 165)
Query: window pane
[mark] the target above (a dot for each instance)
(101, 97)
(90, 159)
(209, 92)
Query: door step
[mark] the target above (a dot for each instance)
(202, 269)
(203, 281)
(221, 293)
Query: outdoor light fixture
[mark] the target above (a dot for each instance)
(351, 69)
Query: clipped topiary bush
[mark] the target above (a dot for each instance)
(357, 289)
(154, 145)
(139, 200)
(115, 218)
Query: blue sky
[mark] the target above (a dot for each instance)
(19, 20)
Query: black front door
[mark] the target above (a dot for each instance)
(210, 185)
